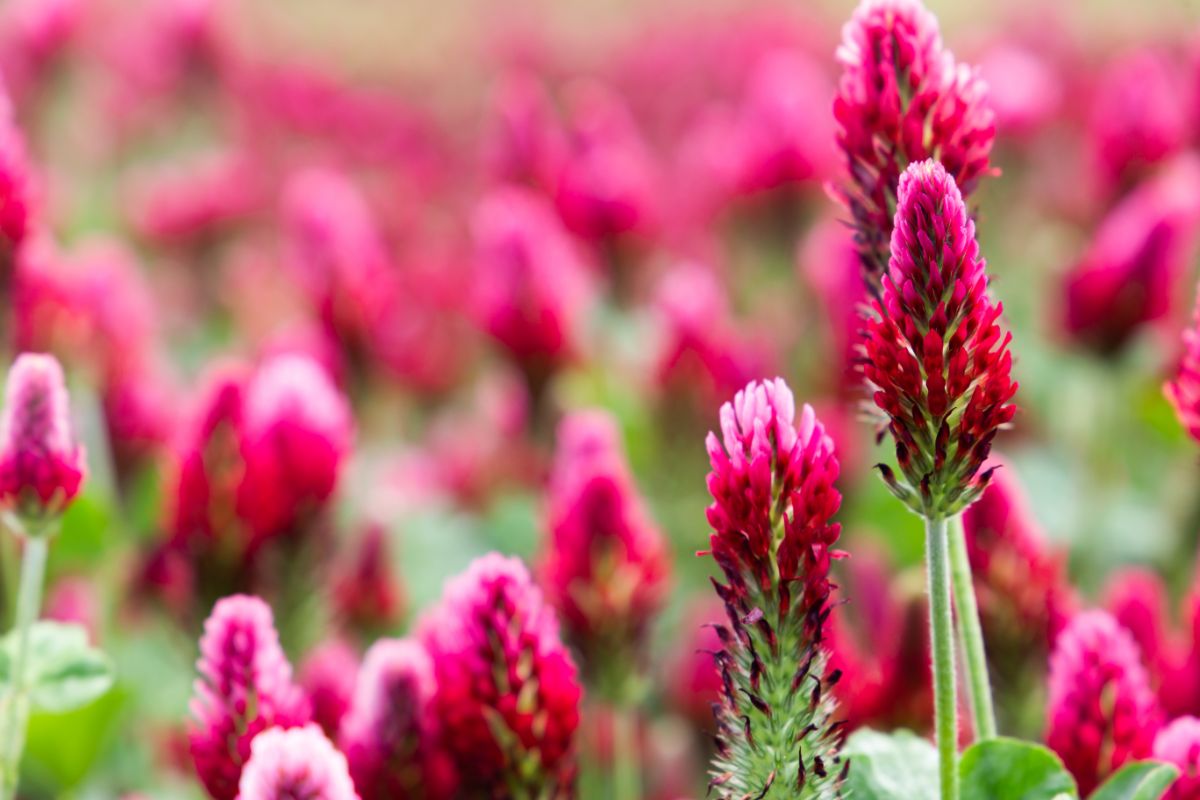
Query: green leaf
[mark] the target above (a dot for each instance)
(1014, 770)
(1141, 780)
(896, 766)
(63, 671)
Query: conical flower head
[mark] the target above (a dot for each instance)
(507, 691)
(41, 466)
(605, 566)
(390, 736)
(1179, 744)
(772, 485)
(935, 354)
(296, 763)
(1102, 712)
(902, 99)
(245, 687)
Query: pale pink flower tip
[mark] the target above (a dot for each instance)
(1179, 744)
(41, 465)
(296, 763)
(1102, 712)
(245, 687)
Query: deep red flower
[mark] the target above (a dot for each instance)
(936, 357)
(1101, 710)
(507, 690)
(367, 593)
(245, 687)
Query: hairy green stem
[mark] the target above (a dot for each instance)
(16, 702)
(970, 634)
(941, 626)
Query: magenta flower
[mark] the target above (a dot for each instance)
(296, 763)
(773, 499)
(391, 735)
(1183, 392)
(903, 99)
(1131, 272)
(531, 283)
(507, 690)
(604, 565)
(1101, 710)
(296, 433)
(367, 593)
(327, 677)
(524, 142)
(1179, 744)
(935, 355)
(41, 465)
(245, 687)
(1137, 599)
(189, 203)
(15, 188)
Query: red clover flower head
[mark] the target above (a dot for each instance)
(41, 465)
(1102, 712)
(1179, 744)
(934, 352)
(296, 763)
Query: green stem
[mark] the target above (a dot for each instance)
(941, 625)
(16, 703)
(626, 769)
(970, 633)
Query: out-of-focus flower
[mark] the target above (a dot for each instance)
(41, 465)
(1138, 601)
(531, 283)
(1136, 119)
(296, 433)
(607, 181)
(391, 735)
(1021, 584)
(1101, 710)
(693, 679)
(935, 355)
(1179, 744)
(15, 189)
(1023, 89)
(773, 498)
(245, 687)
(507, 690)
(33, 37)
(524, 141)
(1183, 391)
(829, 262)
(327, 677)
(366, 591)
(1130, 273)
(903, 99)
(604, 564)
(296, 763)
(73, 598)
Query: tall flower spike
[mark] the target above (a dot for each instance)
(1102, 712)
(507, 692)
(296, 763)
(773, 498)
(605, 565)
(41, 466)
(245, 687)
(1179, 744)
(935, 355)
(902, 99)
(390, 736)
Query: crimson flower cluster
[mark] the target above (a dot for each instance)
(934, 352)
(773, 499)
(507, 689)
(903, 98)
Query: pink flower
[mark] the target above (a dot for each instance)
(1137, 598)
(605, 564)
(1179, 744)
(366, 591)
(1131, 271)
(245, 687)
(828, 262)
(1183, 392)
(327, 677)
(191, 202)
(531, 284)
(524, 141)
(935, 354)
(41, 465)
(391, 736)
(507, 690)
(15, 188)
(1102, 712)
(296, 763)
(903, 99)
(692, 677)
(296, 433)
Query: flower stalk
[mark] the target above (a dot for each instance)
(970, 634)
(16, 703)
(941, 629)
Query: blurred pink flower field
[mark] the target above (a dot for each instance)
(599, 400)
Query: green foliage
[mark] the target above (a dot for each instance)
(1014, 770)
(63, 672)
(890, 766)
(1141, 780)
